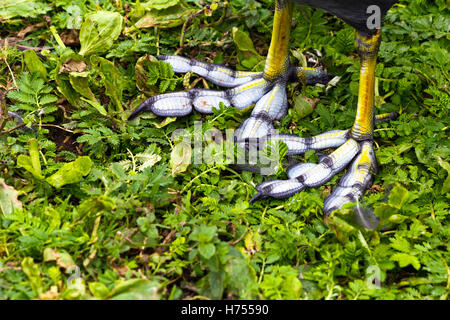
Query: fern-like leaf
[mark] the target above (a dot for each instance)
(21, 97)
(47, 99)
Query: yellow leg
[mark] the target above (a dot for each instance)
(277, 60)
(368, 49)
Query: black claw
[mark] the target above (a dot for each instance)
(391, 116)
(394, 115)
(321, 155)
(312, 77)
(20, 121)
(327, 212)
(142, 108)
(248, 167)
(162, 57)
(322, 78)
(365, 217)
(257, 197)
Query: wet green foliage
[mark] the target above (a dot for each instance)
(94, 206)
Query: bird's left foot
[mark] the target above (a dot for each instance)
(358, 155)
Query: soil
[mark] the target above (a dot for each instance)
(65, 141)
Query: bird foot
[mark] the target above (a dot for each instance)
(359, 156)
(245, 89)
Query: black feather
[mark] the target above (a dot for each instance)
(354, 12)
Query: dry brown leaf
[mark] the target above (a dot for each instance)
(22, 33)
(70, 37)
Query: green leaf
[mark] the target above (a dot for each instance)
(445, 165)
(22, 97)
(168, 18)
(135, 289)
(283, 282)
(248, 57)
(300, 57)
(398, 196)
(98, 289)
(23, 9)
(80, 82)
(32, 272)
(272, 258)
(215, 285)
(303, 106)
(47, 99)
(31, 163)
(180, 157)
(112, 79)
(147, 160)
(405, 259)
(66, 89)
(384, 211)
(160, 4)
(8, 199)
(207, 250)
(25, 162)
(165, 122)
(206, 233)
(164, 85)
(400, 244)
(71, 172)
(149, 71)
(97, 106)
(341, 227)
(96, 204)
(34, 63)
(98, 32)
